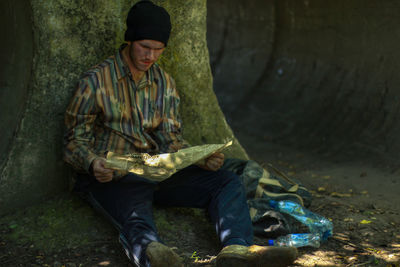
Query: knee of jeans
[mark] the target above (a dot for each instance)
(130, 177)
(230, 178)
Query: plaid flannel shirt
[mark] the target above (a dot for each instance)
(109, 112)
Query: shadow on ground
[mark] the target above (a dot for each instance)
(65, 231)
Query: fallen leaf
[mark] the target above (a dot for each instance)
(336, 194)
(321, 189)
(365, 222)
(352, 258)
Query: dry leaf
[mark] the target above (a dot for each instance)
(336, 194)
(365, 222)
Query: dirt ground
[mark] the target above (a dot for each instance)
(360, 198)
(360, 195)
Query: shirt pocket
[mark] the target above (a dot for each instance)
(117, 110)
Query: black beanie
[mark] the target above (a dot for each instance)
(147, 21)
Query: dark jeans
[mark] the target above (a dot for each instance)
(128, 204)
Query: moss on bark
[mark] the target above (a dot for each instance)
(187, 60)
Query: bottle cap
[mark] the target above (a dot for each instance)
(273, 204)
(270, 242)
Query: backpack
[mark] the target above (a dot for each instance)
(262, 185)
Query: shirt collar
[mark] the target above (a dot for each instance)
(123, 70)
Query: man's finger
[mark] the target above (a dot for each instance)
(103, 163)
(218, 155)
(101, 175)
(210, 165)
(104, 173)
(214, 164)
(216, 161)
(104, 180)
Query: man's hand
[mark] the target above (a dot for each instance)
(213, 162)
(101, 173)
(174, 147)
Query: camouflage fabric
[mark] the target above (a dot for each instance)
(262, 186)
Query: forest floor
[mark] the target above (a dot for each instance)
(361, 199)
(360, 195)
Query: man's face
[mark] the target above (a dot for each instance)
(144, 53)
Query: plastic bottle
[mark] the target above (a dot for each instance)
(297, 240)
(315, 223)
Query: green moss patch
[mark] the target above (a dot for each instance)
(62, 223)
(67, 223)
